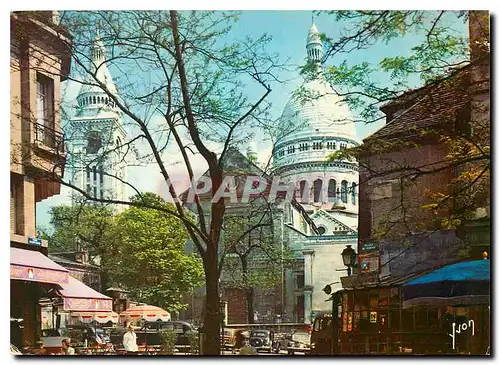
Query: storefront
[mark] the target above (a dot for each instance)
(406, 319)
(33, 277)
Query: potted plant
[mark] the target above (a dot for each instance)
(169, 338)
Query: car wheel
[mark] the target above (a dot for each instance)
(290, 352)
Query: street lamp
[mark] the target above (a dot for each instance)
(328, 288)
(349, 258)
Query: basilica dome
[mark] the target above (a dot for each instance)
(315, 109)
(315, 121)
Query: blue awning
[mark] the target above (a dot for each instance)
(464, 283)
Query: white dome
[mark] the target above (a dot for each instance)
(315, 110)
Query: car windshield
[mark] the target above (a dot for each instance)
(259, 334)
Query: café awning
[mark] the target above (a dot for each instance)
(82, 298)
(31, 265)
(464, 283)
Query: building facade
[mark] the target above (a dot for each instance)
(96, 135)
(39, 60)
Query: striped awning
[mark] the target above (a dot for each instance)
(32, 265)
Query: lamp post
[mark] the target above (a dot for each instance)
(349, 258)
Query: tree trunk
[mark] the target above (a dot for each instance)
(212, 318)
(248, 291)
(249, 300)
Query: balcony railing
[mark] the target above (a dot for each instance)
(49, 137)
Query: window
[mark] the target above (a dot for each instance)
(290, 149)
(16, 204)
(304, 189)
(94, 100)
(317, 145)
(321, 230)
(94, 142)
(353, 193)
(332, 187)
(300, 280)
(45, 109)
(281, 153)
(88, 180)
(330, 145)
(303, 147)
(343, 191)
(317, 186)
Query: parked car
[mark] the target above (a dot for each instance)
(80, 335)
(299, 342)
(262, 340)
(150, 333)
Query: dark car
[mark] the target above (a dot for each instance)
(262, 340)
(150, 333)
(93, 335)
(299, 342)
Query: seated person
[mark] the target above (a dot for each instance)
(39, 349)
(66, 347)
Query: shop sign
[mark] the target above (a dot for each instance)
(459, 329)
(368, 247)
(349, 321)
(36, 274)
(34, 241)
(368, 262)
(373, 317)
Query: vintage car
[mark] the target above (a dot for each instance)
(299, 342)
(150, 334)
(262, 340)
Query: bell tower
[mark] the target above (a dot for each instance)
(96, 134)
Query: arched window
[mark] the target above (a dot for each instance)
(332, 188)
(94, 100)
(304, 192)
(317, 185)
(353, 193)
(343, 191)
(106, 101)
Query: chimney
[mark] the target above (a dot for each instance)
(479, 34)
(81, 256)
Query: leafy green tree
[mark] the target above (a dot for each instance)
(435, 61)
(149, 257)
(142, 250)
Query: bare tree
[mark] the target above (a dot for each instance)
(181, 88)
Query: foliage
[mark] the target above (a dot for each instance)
(88, 226)
(434, 60)
(194, 342)
(169, 338)
(150, 259)
(142, 250)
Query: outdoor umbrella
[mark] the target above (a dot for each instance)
(464, 283)
(149, 313)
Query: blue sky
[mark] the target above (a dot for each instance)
(289, 31)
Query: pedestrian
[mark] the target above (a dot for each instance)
(39, 349)
(66, 347)
(247, 349)
(130, 340)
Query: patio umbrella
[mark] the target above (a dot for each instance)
(99, 317)
(149, 313)
(464, 283)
